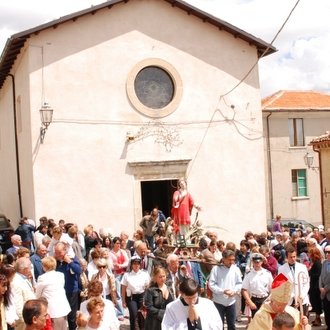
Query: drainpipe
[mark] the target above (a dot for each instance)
(16, 147)
(270, 171)
(321, 182)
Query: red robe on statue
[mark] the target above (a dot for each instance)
(182, 207)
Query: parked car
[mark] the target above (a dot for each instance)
(292, 224)
(6, 232)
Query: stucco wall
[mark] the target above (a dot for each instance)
(325, 160)
(9, 204)
(285, 158)
(82, 174)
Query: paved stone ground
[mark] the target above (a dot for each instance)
(239, 325)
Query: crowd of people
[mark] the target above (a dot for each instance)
(57, 276)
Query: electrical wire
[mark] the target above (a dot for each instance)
(265, 51)
(222, 97)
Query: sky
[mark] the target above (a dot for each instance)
(301, 62)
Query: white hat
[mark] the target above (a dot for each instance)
(257, 256)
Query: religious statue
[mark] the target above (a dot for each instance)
(182, 206)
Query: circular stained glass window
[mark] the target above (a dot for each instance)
(154, 88)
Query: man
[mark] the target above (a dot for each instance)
(127, 243)
(35, 314)
(174, 278)
(278, 303)
(256, 284)
(192, 269)
(71, 269)
(207, 257)
(149, 225)
(283, 321)
(22, 289)
(40, 253)
(297, 273)
(16, 241)
(324, 283)
(40, 234)
(142, 251)
(26, 230)
(190, 311)
(326, 241)
(226, 282)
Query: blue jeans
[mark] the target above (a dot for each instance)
(229, 312)
(119, 306)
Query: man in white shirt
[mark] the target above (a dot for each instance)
(22, 289)
(297, 273)
(226, 282)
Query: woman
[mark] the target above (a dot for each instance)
(107, 279)
(50, 285)
(90, 237)
(110, 321)
(105, 254)
(92, 265)
(106, 242)
(95, 308)
(156, 297)
(120, 261)
(133, 286)
(9, 271)
(4, 299)
(302, 251)
(314, 291)
(73, 233)
(96, 247)
(40, 234)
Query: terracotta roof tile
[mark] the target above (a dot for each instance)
(325, 138)
(296, 100)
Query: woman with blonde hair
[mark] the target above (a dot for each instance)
(95, 289)
(95, 308)
(107, 279)
(156, 297)
(50, 285)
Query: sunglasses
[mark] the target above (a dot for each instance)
(101, 266)
(326, 252)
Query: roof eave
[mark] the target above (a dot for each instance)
(16, 42)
